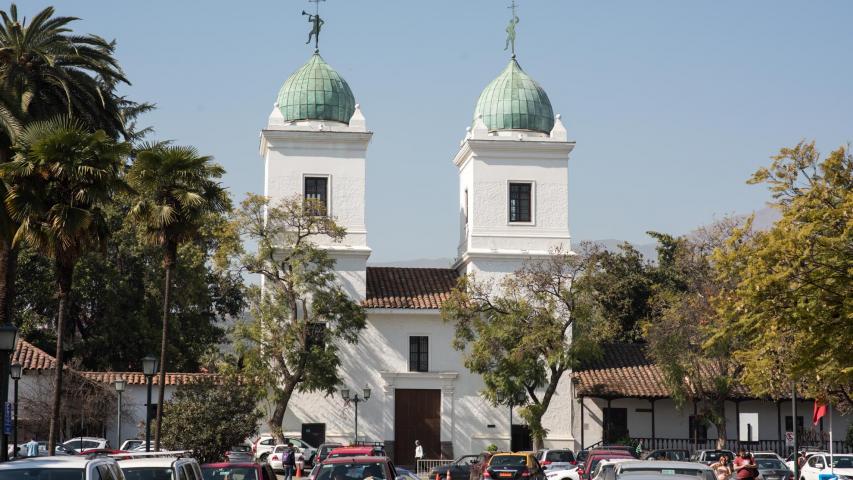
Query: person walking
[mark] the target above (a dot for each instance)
(288, 461)
(744, 466)
(419, 452)
(32, 448)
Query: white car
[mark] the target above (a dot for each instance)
(264, 445)
(87, 443)
(567, 474)
(129, 445)
(277, 455)
(22, 450)
(841, 465)
(627, 470)
(789, 462)
(606, 469)
(71, 466)
(157, 468)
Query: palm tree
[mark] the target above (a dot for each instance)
(46, 70)
(58, 182)
(176, 191)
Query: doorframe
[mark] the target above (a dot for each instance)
(444, 381)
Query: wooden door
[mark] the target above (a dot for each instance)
(417, 416)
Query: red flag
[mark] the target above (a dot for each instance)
(819, 411)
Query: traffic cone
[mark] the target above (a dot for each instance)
(298, 471)
(436, 476)
(448, 475)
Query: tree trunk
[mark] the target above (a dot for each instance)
(64, 276)
(535, 412)
(169, 261)
(8, 270)
(276, 421)
(720, 423)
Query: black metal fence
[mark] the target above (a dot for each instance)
(778, 446)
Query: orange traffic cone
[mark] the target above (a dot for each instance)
(448, 475)
(298, 471)
(436, 476)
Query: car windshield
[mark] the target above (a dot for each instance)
(842, 462)
(43, 474)
(147, 473)
(508, 461)
(351, 471)
(467, 460)
(582, 455)
(559, 456)
(240, 448)
(229, 473)
(770, 463)
(714, 456)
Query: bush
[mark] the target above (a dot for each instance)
(209, 416)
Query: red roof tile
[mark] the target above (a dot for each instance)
(416, 288)
(31, 357)
(137, 378)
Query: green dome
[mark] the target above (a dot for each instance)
(316, 92)
(514, 101)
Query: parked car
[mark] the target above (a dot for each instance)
(323, 451)
(87, 443)
(789, 462)
(558, 459)
(406, 474)
(129, 445)
(668, 454)
(276, 458)
(160, 468)
(841, 465)
(460, 469)
(711, 456)
(264, 444)
(239, 453)
(606, 469)
(74, 467)
(581, 455)
(355, 468)
(632, 451)
(627, 470)
(566, 474)
(775, 455)
(60, 449)
(514, 466)
(773, 468)
(596, 456)
(241, 470)
(357, 451)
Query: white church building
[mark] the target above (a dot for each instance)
(513, 201)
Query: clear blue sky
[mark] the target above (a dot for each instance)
(673, 103)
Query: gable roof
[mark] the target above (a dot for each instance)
(31, 357)
(415, 288)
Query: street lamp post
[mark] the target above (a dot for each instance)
(15, 370)
(149, 368)
(120, 384)
(8, 334)
(355, 400)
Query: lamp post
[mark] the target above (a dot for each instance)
(15, 370)
(149, 368)
(120, 384)
(8, 333)
(355, 399)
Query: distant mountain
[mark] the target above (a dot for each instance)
(764, 219)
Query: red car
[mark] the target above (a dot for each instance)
(355, 468)
(596, 456)
(243, 470)
(357, 451)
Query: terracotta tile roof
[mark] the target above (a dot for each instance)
(32, 357)
(137, 378)
(416, 288)
(625, 371)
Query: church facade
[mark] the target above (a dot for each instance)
(513, 205)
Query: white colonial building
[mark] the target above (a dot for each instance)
(513, 205)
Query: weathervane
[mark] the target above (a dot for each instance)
(316, 24)
(510, 30)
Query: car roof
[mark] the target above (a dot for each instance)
(61, 461)
(506, 454)
(354, 459)
(230, 464)
(658, 476)
(664, 464)
(148, 462)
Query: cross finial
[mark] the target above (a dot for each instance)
(510, 29)
(316, 24)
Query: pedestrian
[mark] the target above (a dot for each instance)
(288, 461)
(32, 448)
(744, 466)
(478, 468)
(801, 460)
(419, 451)
(722, 469)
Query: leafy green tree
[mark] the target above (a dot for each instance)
(176, 192)
(60, 179)
(46, 70)
(523, 333)
(116, 302)
(210, 415)
(302, 314)
(793, 308)
(684, 330)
